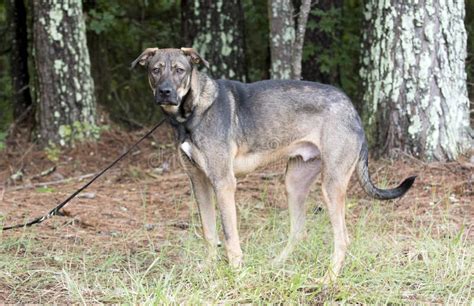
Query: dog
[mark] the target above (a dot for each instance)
(226, 128)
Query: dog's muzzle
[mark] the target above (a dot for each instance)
(166, 95)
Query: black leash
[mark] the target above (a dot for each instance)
(55, 210)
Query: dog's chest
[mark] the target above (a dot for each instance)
(245, 160)
(191, 153)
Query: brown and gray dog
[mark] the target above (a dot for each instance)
(226, 128)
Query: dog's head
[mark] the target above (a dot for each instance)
(169, 73)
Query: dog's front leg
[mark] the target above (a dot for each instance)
(203, 193)
(225, 194)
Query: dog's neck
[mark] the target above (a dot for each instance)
(195, 103)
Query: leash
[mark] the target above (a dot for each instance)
(55, 210)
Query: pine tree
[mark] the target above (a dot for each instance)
(415, 78)
(65, 89)
(216, 30)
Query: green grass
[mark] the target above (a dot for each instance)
(389, 261)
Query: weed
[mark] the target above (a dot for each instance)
(52, 152)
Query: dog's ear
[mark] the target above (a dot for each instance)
(144, 57)
(195, 57)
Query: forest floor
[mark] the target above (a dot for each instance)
(134, 235)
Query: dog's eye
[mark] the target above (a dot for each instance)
(156, 70)
(179, 70)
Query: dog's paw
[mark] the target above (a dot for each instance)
(279, 260)
(329, 279)
(236, 262)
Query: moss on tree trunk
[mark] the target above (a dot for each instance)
(216, 30)
(415, 79)
(65, 89)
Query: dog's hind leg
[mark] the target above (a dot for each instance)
(298, 180)
(337, 170)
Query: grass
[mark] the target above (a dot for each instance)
(391, 260)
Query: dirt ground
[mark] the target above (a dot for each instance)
(149, 189)
(33, 184)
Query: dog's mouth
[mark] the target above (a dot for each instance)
(170, 107)
(171, 100)
(168, 103)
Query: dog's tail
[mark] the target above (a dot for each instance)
(370, 188)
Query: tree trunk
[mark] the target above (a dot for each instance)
(65, 86)
(286, 41)
(415, 79)
(217, 33)
(297, 55)
(19, 58)
(282, 37)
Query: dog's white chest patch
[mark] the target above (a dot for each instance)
(187, 149)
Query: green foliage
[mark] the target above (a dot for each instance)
(102, 20)
(6, 113)
(45, 189)
(52, 152)
(118, 33)
(329, 20)
(352, 17)
(337, 56)
(3, 135)
(469, 22)
(256, 39)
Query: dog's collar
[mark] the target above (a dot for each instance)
(182, 127)
(181, 121)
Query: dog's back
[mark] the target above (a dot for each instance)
(281, 111)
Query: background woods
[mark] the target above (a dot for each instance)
(69, 105)
(370, 51)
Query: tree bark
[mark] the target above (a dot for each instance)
(287, 38)
(65, 87)
(282, 38)
(16, 11)
(299, 40)
(216, 29)
(415, 79)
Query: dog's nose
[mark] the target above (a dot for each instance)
(165, 91)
